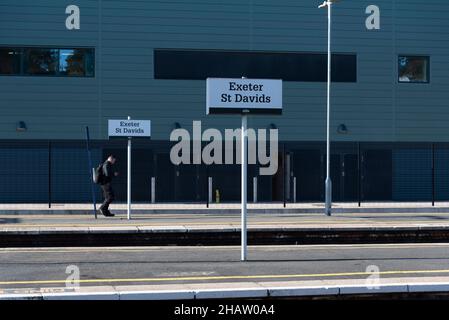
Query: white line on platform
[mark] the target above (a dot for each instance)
(255, 248)
(260, 290)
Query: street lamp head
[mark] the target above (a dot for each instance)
(327, 3)
(323, 5)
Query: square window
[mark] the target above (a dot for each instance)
(71, 62)
(76, 62)
(40, 61)
(413, 69)
(10, 60)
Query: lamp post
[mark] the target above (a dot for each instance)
(328, 183)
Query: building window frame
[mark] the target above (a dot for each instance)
(89, 71)
(291, 66)
(426, 58)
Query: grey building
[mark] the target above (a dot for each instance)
(149, 59)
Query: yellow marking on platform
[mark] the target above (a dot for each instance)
(235, 277)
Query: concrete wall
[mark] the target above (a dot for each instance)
(124, 34)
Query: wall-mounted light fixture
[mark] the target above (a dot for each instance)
(21, 126)
(342, 129)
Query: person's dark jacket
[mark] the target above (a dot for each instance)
(108, 172)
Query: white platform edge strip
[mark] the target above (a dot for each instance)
(253, 292)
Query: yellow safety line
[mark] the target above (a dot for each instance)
(226, 277)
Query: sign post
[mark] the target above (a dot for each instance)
(243, 96)
(129, 128)
(128, 192)
(244, 169)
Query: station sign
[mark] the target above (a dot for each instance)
(241, 95)
(129, 128)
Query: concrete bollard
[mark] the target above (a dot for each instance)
(209, 192)
(294, 189)
(153, 189)
(254, 189)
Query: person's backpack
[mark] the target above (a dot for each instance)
(99, 174)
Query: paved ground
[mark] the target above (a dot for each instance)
(228, 220)
(120, 269)
(40, 267)
(272, 207)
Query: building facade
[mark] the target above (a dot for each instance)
(149, 59)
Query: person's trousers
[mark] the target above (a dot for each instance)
(108, 195)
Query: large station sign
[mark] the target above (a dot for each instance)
(243, 95)
(129, 128)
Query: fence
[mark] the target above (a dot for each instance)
(58, 172)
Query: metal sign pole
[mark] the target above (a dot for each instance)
(121, 128)
(129, 177)
(244, 156)
(328, 183)
(221, 97)
(49, 174)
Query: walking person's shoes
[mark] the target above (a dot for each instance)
(106, 213)
(109, 214)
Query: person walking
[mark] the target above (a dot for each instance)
(108, 192)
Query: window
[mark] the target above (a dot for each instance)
(288, 66)
(76, 62)
(413, 69)
(41, 61)
(35, 61)
(10, 60)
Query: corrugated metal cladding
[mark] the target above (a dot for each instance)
(125, 33)
(378, 111)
